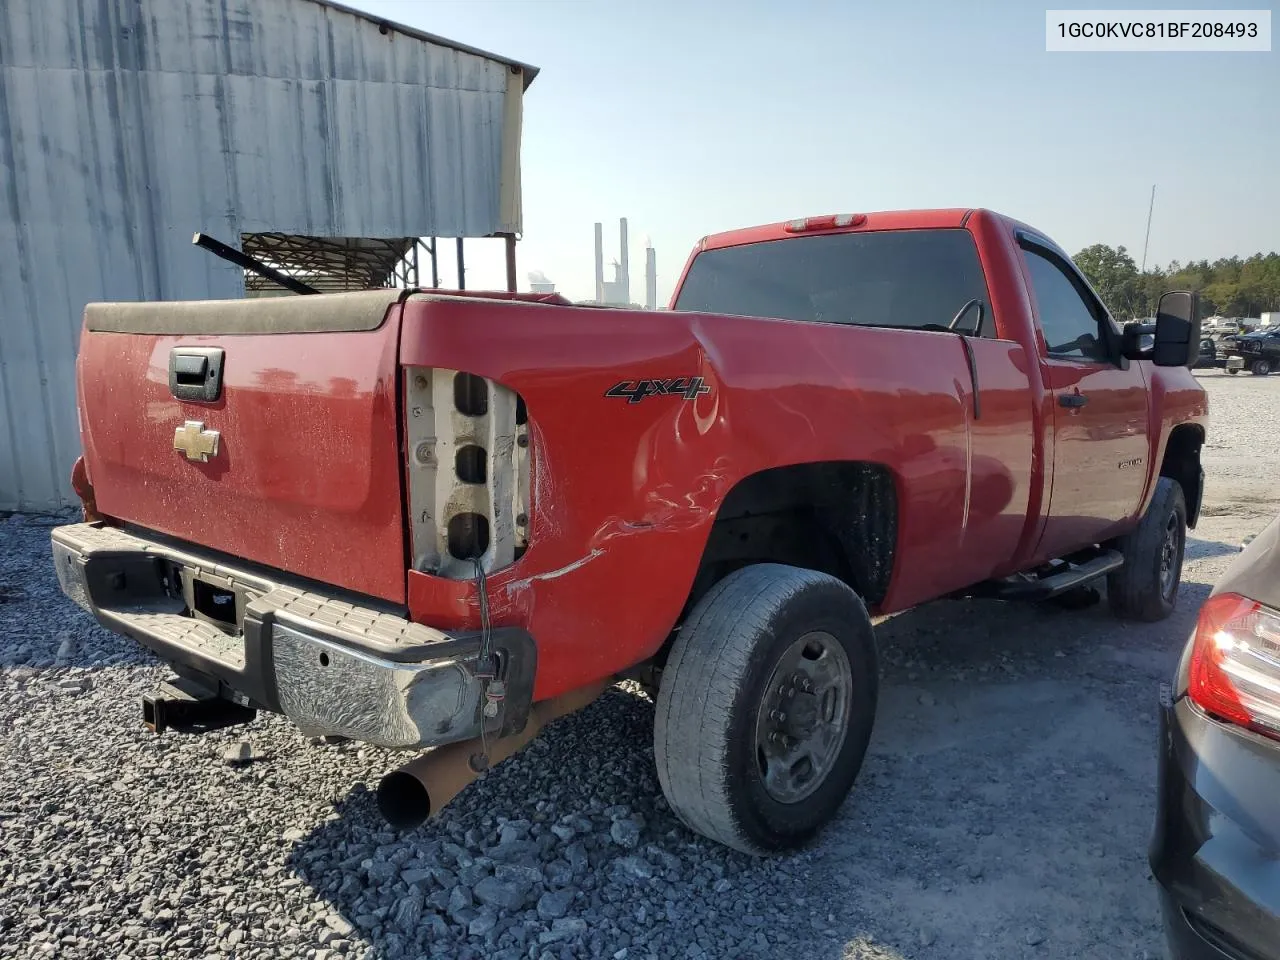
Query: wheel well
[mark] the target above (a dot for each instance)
(1182, 463)
(834, 516)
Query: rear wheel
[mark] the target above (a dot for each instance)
(1146, 587)
(1232, 371)
(766, 707)
(1260, 368)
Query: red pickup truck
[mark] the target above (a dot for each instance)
(415, 518)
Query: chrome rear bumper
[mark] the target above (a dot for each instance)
(332, 666)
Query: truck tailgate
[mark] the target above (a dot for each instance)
(306, 476)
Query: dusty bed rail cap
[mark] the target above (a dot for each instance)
(322, 313)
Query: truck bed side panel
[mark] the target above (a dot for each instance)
(626, 493)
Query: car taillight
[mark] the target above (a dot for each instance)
(467, 446)
(1235, 663)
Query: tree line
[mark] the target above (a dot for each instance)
(1230, 287)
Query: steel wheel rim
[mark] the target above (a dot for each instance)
(1169, 556)
(803, 717)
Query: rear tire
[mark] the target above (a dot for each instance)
(1146, 587)
(766, 707)
(1232, 371)
(1260, 368)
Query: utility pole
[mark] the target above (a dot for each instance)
(1150, 210)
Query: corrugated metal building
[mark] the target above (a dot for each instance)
(128, 125)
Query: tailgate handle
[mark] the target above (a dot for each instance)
(190, 370)
(195, 373)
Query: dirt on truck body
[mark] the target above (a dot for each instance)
(418, 519)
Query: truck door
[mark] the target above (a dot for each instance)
(1099, 402)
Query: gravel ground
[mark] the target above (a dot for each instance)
(1003, 810)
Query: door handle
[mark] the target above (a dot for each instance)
(1072, 400)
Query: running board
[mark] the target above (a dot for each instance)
(1052, 580)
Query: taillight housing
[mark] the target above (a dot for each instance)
(468, 472)
(1234, 672)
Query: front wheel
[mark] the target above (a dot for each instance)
(1260, 368)
(1232, 371)
(1146, 587)
(766, 707)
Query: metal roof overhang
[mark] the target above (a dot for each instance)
(385, 25)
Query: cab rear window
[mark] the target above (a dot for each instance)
(913, 279)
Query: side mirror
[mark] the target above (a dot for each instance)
(1177, 330)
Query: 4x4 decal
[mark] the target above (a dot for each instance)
(633, 391)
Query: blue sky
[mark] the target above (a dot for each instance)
(695, 117)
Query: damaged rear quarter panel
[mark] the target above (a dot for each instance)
(625, 494)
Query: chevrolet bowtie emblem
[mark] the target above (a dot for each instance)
(195, 441)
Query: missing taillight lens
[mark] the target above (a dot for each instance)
(467, 466)
(471, 464)
(470, 394)
(1235, 663)
(468, 536)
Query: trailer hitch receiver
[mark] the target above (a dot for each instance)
(184, 706)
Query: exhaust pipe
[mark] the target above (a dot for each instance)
(422, 787)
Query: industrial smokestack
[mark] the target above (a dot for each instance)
(650, 278)
(624, 274)
(599, 263)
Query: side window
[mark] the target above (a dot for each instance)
(1072, 329)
